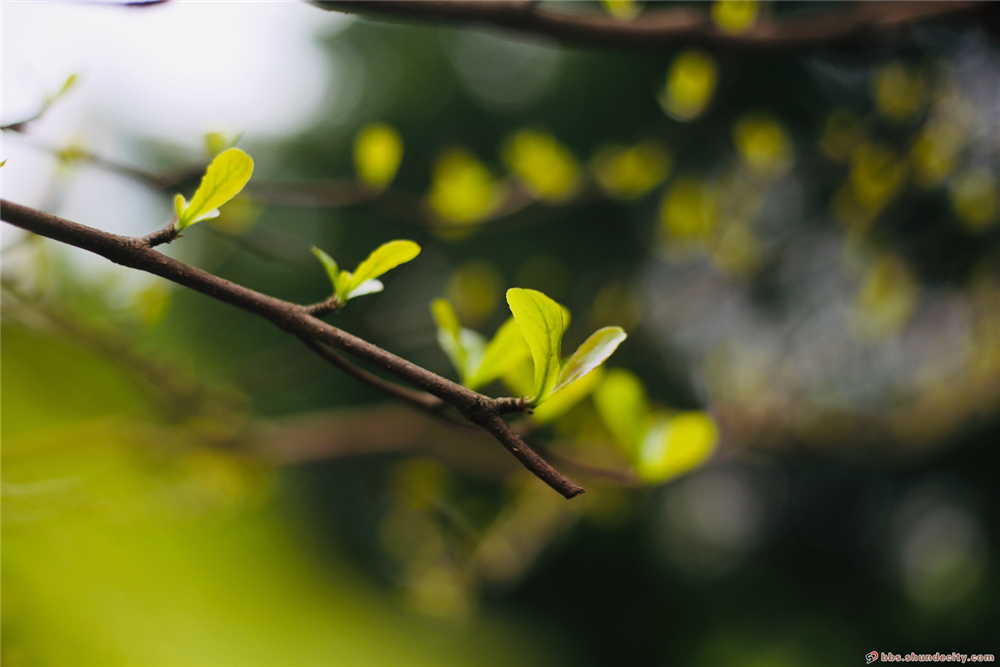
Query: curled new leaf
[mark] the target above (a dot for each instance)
(332, 270)
(601, 344)
(347, 285)
(541, 322)
(225, 177)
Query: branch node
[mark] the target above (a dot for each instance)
(331, 305)
(161, 236)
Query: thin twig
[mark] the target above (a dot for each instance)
(137, 253)
(862, 24)
(419, 399)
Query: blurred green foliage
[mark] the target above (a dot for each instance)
(790, 461)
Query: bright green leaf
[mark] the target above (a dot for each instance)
(542, 325)
(622, 404)
(505, 350)
(590, 355)
(386, 257)
(228, 173)
(3, 163)
(676, 445)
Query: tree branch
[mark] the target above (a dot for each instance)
(138, 253)
(863, 24)
(419, 399)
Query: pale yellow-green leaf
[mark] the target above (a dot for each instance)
(179, 205)
(378, 150)
(3, 163)
(502, 353)
(561, 400)
(591, 354)
(384, 258)
(623, 406)
(541, 321)
(676, 445)
(448, 332)
(331, 267)
(225, 177)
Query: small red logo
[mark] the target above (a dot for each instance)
(871, 657)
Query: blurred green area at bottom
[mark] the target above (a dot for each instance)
(128, 550)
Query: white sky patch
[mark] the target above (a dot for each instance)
(171, 73)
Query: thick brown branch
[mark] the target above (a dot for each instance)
(137, 253)
(863, 24)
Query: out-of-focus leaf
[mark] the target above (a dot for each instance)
(378, 151)
(735, 16)
(974, 198)
(591, 354)
(690, 85)
(688, 212)
(622, 405)
(507, 348)
(449, 331)
(623, 10)
(384, 258)
(900, 92)
(630, 172)
(676, 445)
(542, 325)
(225, 177)
(547, 168)
(877, 173)
(763, 144)
(475, 288)
(463, 191)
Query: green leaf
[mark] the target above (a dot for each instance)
(503, 352)
(225, 177)
(675, 445)
(464, 347)
(623, 407)
(542, 325)
(332, 270)
(3, 163)
(590, 355)
(384, 258)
